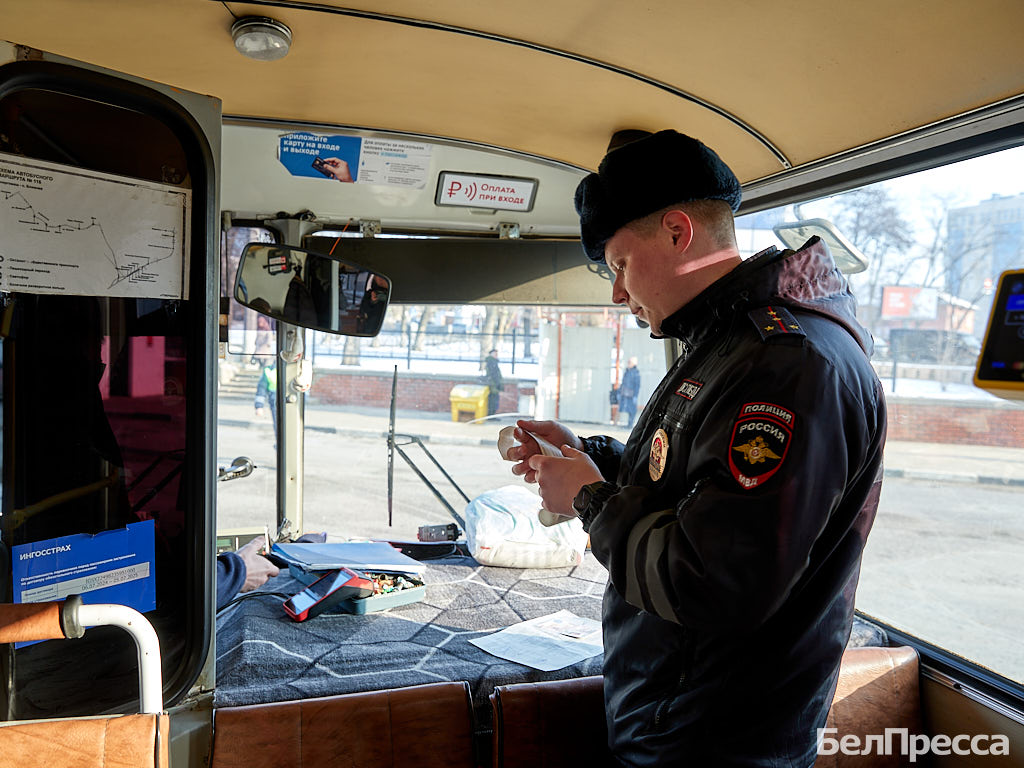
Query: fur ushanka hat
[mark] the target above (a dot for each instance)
(644, 176)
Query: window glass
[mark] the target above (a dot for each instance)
(247, 406)
(99, 394)
(942, 561)
(428, 352)
(552, 362)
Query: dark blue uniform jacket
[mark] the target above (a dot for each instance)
(734, 539)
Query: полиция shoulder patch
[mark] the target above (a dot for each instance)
(760, 440)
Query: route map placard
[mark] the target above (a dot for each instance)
(81, 232)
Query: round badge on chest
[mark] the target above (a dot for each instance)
(659, 454)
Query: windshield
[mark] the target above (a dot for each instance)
(941, 561)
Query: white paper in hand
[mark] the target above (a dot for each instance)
(506, 440)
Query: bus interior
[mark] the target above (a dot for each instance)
(165, 167)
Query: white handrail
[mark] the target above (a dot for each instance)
(148, 645)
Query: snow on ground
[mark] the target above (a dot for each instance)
(925, 389)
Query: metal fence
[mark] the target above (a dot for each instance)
(514, 348)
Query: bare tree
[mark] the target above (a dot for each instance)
(930, 258)
(351, 354)
(421, 330)
(496, 322)
(960, 265)
(871, 218)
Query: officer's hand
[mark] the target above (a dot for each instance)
(257, 568)
(555, 433)
(560, 479)
(259, 411)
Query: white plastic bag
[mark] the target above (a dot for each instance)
(502, 529)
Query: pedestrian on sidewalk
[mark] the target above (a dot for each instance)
(265, 341)
(266, 393)
(494, 382)
(629, 391)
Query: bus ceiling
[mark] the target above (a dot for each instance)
(797, 99)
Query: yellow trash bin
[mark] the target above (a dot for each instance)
(469, 397)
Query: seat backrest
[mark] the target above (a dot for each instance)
(878, 688)
(427, 726)
(550, 724)
(116, 741)
(539, 725)
(119, 741)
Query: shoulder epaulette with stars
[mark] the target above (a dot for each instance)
(775, 321)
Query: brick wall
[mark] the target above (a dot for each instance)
(421, 392)
(956, 421)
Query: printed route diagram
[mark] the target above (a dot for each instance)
(86, 233)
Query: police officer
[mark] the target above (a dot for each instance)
(733, 520)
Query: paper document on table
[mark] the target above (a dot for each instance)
(548, 643)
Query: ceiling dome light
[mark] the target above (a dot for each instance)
(261, 38)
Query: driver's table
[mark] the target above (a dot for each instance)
(264, 656)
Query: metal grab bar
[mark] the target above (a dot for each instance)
(70, 618)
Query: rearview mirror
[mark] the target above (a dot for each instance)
(313, 290)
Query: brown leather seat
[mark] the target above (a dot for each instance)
(117, 741)
(537, 725)
(878, 688)
(427, 726)
(550, 724)
(120, 741)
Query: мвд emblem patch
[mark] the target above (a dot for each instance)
(760, 441)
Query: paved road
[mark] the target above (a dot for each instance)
(346, 483)
(942, 561)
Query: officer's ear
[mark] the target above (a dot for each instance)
(678, 226)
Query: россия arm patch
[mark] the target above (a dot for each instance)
(760, 440)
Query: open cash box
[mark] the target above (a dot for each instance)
(389, 590)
